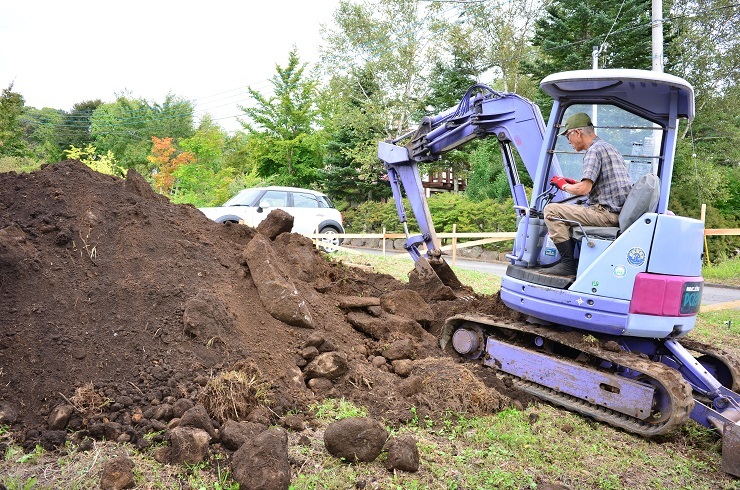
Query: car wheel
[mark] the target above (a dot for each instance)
(330, 239)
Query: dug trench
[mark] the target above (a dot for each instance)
(120, 311)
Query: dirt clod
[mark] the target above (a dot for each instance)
(355, 439)
(262, 462)
(118, 473)
(402, 454)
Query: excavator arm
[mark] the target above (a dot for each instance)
(481, 113)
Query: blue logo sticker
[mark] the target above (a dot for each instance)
(550, 252)
(620, 271)
(636, 257)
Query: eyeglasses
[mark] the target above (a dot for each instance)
(569, 132)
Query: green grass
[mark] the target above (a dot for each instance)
(720, 328)
(726, 272)
(400, 266)
(520, 449)
(333, 409)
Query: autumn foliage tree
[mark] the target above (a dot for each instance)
(166, 160)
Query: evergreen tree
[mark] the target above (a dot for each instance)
(353, 125)
(568, 31)
(74, 129)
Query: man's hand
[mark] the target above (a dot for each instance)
(561, 181)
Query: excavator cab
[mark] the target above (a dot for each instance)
(635, 111)
(638, 112)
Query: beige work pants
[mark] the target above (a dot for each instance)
(586, 215)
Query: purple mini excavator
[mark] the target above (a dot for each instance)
(607, 342)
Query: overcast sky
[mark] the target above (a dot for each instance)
(59, 53)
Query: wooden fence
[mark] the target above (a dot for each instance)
(475, 239)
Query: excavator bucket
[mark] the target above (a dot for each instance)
(435, 280)
(446, 274)
(731, 449)
(424, 280)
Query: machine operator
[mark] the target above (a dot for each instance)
(606, 181)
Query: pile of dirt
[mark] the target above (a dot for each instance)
(115, 301)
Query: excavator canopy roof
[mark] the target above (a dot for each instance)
(648, 90)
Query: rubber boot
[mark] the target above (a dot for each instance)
(568, 265)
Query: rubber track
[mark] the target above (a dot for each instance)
(730, 360)
(676, 387)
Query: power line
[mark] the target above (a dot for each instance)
(643, 26)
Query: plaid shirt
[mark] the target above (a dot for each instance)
(604, 166)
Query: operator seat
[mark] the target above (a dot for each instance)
(643, 198)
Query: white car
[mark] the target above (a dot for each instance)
(311, 210)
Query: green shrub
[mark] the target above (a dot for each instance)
(447, 209)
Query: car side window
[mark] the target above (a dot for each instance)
(275, 198)
(244, 198)
(301, 200)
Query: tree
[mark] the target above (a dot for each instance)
(166, 160)
(42, 133)
(12, 138)
(353, 126)
(74, 129)
(126, 127)
(706, 52)
(205, 180)
(496, 37)
(389, 40)
(569, 29)
(282, 141)
(705, 45)
(103, 163)
(376, 61)
(448, 83)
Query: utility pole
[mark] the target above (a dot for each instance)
(595, 58)
(595, 65)
(658, 35)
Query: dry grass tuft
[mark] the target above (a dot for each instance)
(233, 394)
(451, 386)
(87, 401)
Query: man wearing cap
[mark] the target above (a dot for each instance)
(605, 180)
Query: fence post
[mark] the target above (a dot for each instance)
(703, 220)
(454, 243)
(383, 240)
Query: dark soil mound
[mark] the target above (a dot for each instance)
(108, 289)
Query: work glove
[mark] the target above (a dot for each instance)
(561, 181)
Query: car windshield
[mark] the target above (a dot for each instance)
(325, 202)
(244, 198)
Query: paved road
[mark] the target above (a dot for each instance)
(712, 295)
